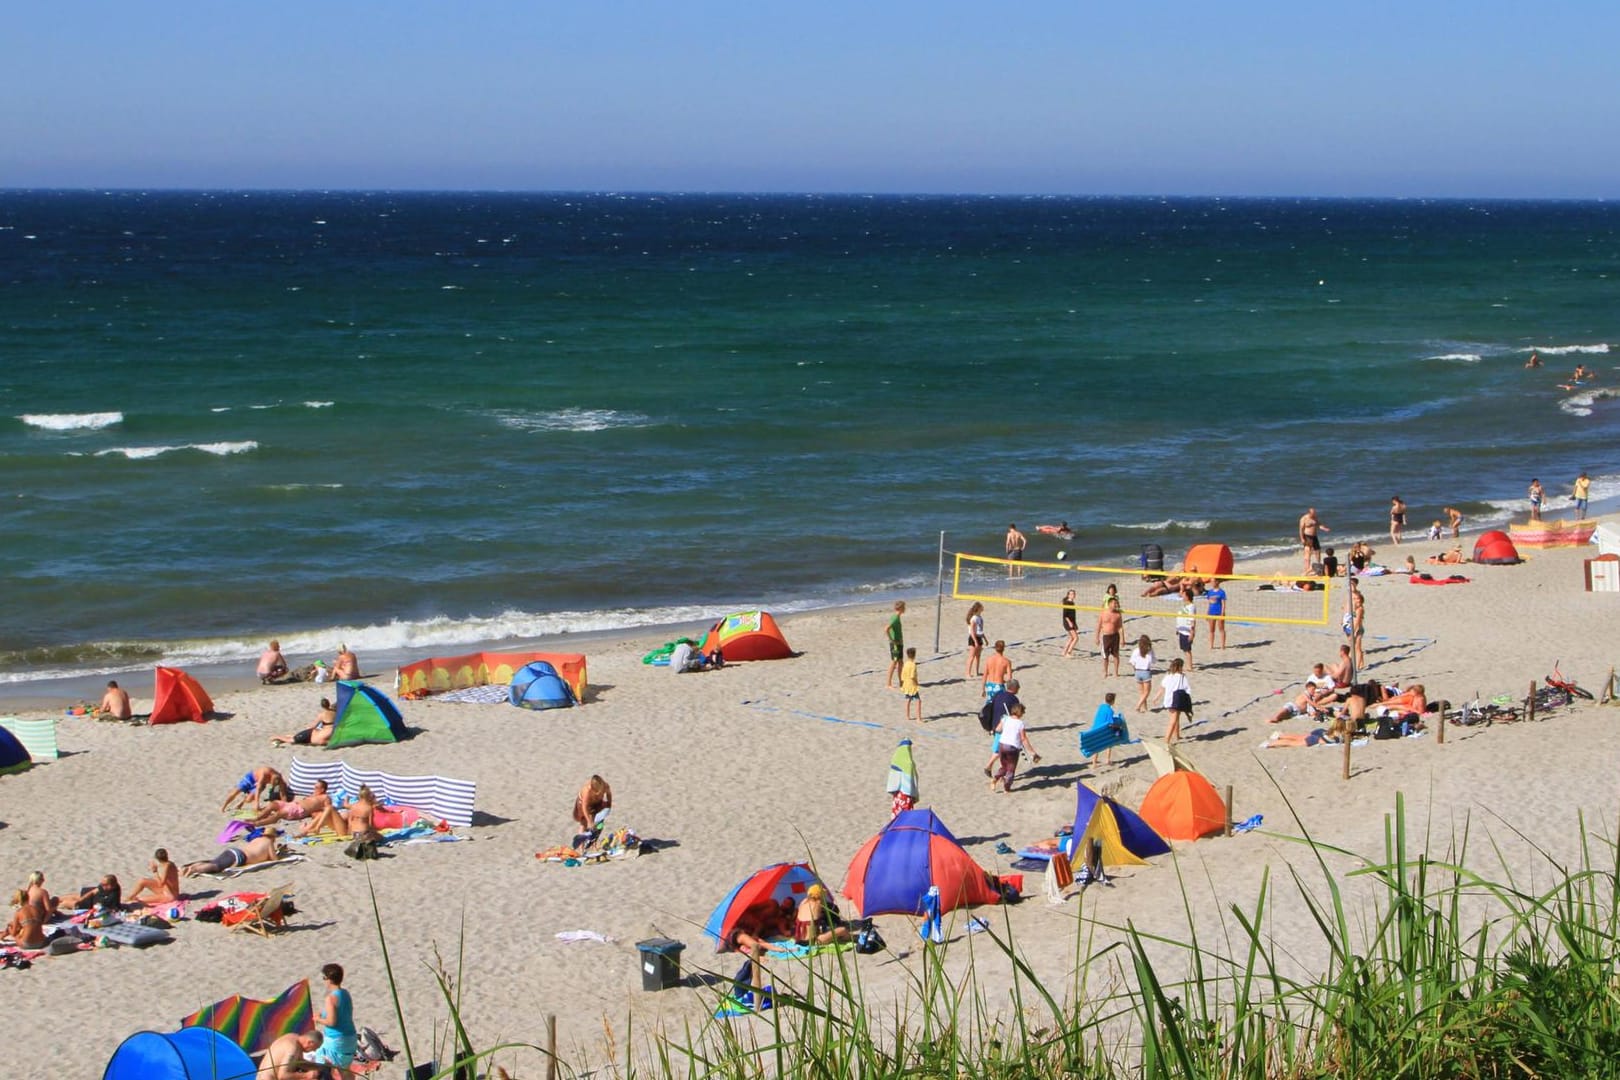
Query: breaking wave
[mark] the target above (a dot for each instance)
(93, 421)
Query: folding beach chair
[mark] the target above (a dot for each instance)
(263, 918)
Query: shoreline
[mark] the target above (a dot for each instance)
(53, 688)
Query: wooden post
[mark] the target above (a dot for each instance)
(1349, 737)
(551, 1046)
(1532, 700)
(1440, 739)
(1228, 810)
(1608, 694)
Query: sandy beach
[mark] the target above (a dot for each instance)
(781, 760)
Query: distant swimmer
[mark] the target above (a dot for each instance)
(1534, 361)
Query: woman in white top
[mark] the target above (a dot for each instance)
(975, 639)
(1142, 661)
(1175, 694)
(1012, 738)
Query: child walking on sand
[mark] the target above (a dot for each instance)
(909, 685)
(1175, 694)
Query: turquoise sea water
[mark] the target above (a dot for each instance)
(420, 421)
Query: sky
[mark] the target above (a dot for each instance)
(1480, 99)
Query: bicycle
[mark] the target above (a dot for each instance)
(1557, 681)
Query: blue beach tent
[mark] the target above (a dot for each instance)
(538, 686)
(195, 1053)
(13, 754)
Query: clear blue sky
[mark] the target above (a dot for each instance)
(1409, 98)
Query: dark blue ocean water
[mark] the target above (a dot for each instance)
(420, 420)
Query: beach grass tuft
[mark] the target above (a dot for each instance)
(1426, 969)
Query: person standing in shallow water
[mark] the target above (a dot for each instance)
(1397, 518)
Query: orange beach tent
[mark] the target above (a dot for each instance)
(748, 635)
(1208, 560)
(179, 697)
(1183, 806)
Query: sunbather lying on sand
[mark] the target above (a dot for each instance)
(1453, 556)
(1331, 735)
(266, 848)
(164, 884)
(295, 809)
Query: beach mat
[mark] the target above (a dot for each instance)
(1098, 739)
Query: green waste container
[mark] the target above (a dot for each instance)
(660, 963)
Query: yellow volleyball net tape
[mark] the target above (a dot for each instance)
(1253, 598)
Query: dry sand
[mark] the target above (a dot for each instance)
(786, 760)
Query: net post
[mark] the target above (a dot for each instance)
(939, 592)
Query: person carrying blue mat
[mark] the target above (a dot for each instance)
(1108, 730)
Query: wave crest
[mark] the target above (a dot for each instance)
(143, 453)
(93, 421)
(572, 420)
(1169, 525)
(1564, 350)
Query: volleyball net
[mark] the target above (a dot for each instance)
(1287, 599)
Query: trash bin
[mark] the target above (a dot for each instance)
(660, 963)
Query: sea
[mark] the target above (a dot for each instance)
(421, 423)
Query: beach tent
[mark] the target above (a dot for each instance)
(893, 871)
(1607, 539)
(178, 697)
(1495, 549)
(747, 635)
(440, 673)
(1208, 560)
(1126, 839)
(13, 755)
(770, 886)
(195, 1053)
(1183, 806)
(253, 1024)
(538, 686)
(364, 714)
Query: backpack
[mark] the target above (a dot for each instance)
(370, 1047)
(987, 716)
(869, 941)
(1388, 728)
(362, 849)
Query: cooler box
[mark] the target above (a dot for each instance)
(1603, 574)
(660, 963)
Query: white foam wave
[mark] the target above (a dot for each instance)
(1563, 350)
(1458, 357)
(72, 421)
(572, 420)
(301, 487)
(415, 639)
(219, 449)
(317, 404)
(1581, 404)
(1194, 525)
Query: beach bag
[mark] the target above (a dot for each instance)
(361, 849)
(869, 941)
(987, 716)
(1388, 728)
(370, 1047)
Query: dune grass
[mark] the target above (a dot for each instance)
(1432, 970)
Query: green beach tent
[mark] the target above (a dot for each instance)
(364, 715)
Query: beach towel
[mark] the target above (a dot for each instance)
(37, 736)
(477, 695)
(903, 771)
(238, 871)
(439, 796)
